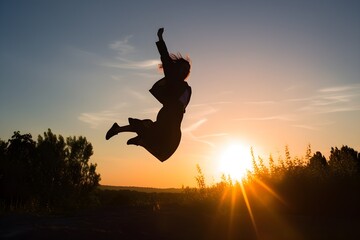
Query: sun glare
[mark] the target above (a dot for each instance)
(235, 161)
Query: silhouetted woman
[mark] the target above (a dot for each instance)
(162, 137)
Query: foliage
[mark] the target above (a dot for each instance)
(344, 161)
(54, 172)
(50, 173)
(308, 185)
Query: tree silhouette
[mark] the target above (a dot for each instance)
(3, 147)
(81, 174)
(344, 161)
(46, 173)
(19, 162)
(317, 161)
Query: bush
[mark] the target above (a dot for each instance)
(311, 185)
(50, 173)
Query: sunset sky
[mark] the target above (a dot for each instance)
(264, 74)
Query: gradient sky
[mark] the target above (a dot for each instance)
(264, 73)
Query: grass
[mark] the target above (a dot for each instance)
(141, 189)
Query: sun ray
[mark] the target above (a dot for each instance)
(247, 203)
(272, 192)
(232, 211)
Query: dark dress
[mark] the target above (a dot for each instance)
(162, 137)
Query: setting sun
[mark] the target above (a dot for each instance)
(235, 161)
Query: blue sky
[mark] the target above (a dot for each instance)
(265, 74)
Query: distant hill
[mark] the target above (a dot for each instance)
(141, 189)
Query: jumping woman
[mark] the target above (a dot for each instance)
(162, 137)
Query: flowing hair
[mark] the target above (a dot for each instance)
(183, 63)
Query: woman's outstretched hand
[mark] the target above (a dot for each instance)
(160, 33)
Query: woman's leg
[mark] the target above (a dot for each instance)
(115, 129)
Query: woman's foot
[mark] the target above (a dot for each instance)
(112, 131)
(134, 141)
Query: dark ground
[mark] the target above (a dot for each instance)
(174, 222)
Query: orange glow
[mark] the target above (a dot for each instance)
(235, 161)
(269, 190)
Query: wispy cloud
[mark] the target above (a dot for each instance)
(200, 113)
(123, 49)
(338, 88)
(117, 77)
(96, 119)
(304, 99)
(213, 135)
(199, 116)
(202, 110)
(123, 58)
(300, 111)
(195, 125)
(210, 104)
(314, 126)
(333, 99)
(307, 127)
(340, 109)
(267, 118)
(104, 118)
(261, 102)
(118, 112)
(129, 64)
(205, 139)
(123, 46)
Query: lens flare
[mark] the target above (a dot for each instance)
(235, 161)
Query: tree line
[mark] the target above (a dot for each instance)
(311, 185)
(343, 163)
(49, 173)
(314, 184)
